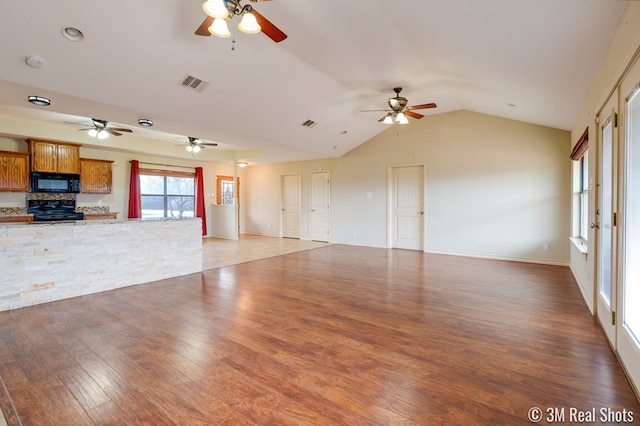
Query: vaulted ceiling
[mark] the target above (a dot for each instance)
(532, 61)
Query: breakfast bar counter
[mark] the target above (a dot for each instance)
(45, 261)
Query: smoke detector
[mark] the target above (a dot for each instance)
(34, 61)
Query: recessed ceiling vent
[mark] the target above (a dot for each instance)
(309, 123)
(194, 83)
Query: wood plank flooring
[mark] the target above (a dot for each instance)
(337, 335)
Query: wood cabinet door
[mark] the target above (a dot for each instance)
(95, 176)
(14, 171)
(44, 156)
(68, 159)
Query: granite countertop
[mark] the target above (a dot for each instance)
(22, 211)
(87, 222)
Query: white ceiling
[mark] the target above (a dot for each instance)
(526, 60)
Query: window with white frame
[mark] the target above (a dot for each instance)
(584, 196)
(167, 194)
(581, 188)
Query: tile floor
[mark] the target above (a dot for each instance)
(218, 252)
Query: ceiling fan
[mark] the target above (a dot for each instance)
(220, 11)
(196, 144)
(399, 109)
(101, 129)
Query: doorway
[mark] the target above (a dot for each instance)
(320, 206)
(291, 187)
(605, 216)
(406, 207)
(628, 322)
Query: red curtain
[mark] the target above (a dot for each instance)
(135, 201)
(200, 210)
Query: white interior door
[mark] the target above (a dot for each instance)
(291, 205)
(320, 197)
(605, 218)
(407, 207)
(629, 318)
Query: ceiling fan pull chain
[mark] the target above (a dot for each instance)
(233, 43)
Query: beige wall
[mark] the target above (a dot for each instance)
(619, 56)
(495, 188)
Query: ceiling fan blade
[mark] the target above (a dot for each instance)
(113, 132)
(120, 129)
(375, 110)
(85, 130)
(270, 30)
(207, 143)
(413, 114)
(382, 119)
(203, 29)
(423, 106)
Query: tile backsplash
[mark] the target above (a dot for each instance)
(49, 196)
(93, 210)
(13, 211)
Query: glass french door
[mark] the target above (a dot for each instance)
(629, 325)
(605, 218)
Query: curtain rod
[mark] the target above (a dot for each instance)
(166, 165)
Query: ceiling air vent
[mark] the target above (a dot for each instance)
(309, 123)
(194, 83)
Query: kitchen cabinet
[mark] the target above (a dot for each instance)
(16, 219)
(95, 176)
(99, 216)
(14, 171)
(54, 157)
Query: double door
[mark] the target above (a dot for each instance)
(617, 221)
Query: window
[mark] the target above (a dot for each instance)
(584, 196)
(224, 188)
(581, 189)
(167, 194)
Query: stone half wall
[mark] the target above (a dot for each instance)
(41, 263)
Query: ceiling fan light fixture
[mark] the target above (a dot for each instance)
(39, 100)
(388, 119)
(249, 24)
(102, 134)
(219, 28)
(196, 148)
(93, 133)
(400, 117)
(215, 9)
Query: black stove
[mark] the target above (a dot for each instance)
(53, 210)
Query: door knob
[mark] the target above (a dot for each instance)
(421, 212)
(594, 225)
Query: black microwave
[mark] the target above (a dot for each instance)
(55, 182)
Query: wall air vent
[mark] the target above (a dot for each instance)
(309, 123)
(194, 83)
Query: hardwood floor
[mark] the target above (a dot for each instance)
(333, 335)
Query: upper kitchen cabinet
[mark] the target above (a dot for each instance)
(54, 157)
(14, 171)
(95, 176)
